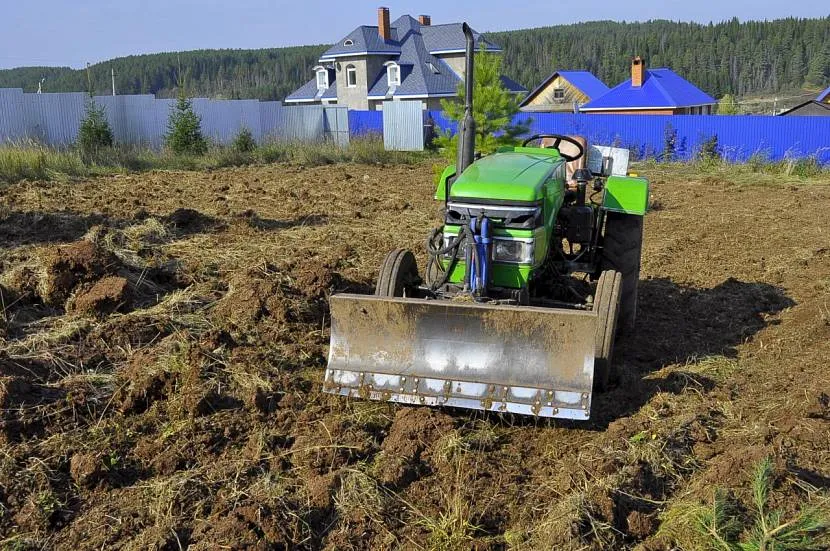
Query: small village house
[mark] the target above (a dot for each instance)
(404, 60)
(652, 92)
(819, 107)
(564, 92)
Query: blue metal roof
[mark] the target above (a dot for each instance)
(661, 88)
(590, 85)
(824, 95)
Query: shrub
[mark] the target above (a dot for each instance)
(494, 109)
(184, 127)
(669, 143)
(727, 105)
(94, 134)
(244, 142)
(709, 150)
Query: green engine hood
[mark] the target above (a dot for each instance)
(511, 174)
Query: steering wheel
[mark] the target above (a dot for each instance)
(558, 139)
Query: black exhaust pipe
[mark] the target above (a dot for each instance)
(467, 125)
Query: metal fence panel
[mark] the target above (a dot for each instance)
(336, 121)
(222, 120)
(403, 126)
(301, 123)
(269, 113)
(143, 120)
(364, 123)
(739, 137)
(12, 117)
(54, 118)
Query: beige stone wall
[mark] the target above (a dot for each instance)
(368, 67)
(456, 63)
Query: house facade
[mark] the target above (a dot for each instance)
(658, 91)
(402, 60)
(564, 92)
(819, 107)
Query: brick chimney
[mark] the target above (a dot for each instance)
(638, 68)
(425, 20)
(383, 24)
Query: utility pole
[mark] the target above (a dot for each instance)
(88, 79)
(112, 71)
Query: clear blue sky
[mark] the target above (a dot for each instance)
(73, 32)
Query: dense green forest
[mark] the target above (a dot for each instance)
(753, 57)
(730, 57)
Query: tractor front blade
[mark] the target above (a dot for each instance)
(521, 359)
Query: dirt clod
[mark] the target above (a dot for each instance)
(86, 469)
(105, 296)
(639, 524)
(412, 433)
(65, 267)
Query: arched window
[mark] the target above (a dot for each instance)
(351, 76)
(322, 77)
(393, 73)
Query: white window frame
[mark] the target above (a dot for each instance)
(351, 71)
(325, 74)
(397, 70)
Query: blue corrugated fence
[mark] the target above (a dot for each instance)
(365, 122)
(739, 137)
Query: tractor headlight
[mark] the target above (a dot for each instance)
(511, 250)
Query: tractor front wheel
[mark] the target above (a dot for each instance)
(398, 274)
(607, 306)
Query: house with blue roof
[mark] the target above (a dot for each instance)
(652, 92)
(819, 107)
(406, 60)
(564, 92)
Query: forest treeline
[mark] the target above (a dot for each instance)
(740, 58)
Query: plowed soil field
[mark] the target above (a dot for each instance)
(164, 337)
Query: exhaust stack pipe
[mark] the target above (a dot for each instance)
(467, 125)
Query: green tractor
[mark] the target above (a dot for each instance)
(527, 283)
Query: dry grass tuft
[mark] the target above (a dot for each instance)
(360, 497)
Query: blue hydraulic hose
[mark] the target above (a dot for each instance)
(484, 255)
(473, 264)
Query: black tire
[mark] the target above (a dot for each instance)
(398, 274)
(622, 249)
(607, 307)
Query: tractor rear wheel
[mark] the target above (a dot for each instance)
(622, 248)
(398, 274)
(607, 306)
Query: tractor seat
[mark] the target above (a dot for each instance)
(569, 149)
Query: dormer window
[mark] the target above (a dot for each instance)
(393, 74)
(322, 78)
(348, 42)
(433, 68)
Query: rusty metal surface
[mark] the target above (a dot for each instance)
(509, 358)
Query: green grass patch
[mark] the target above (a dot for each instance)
(32, 161)
(756, 171)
